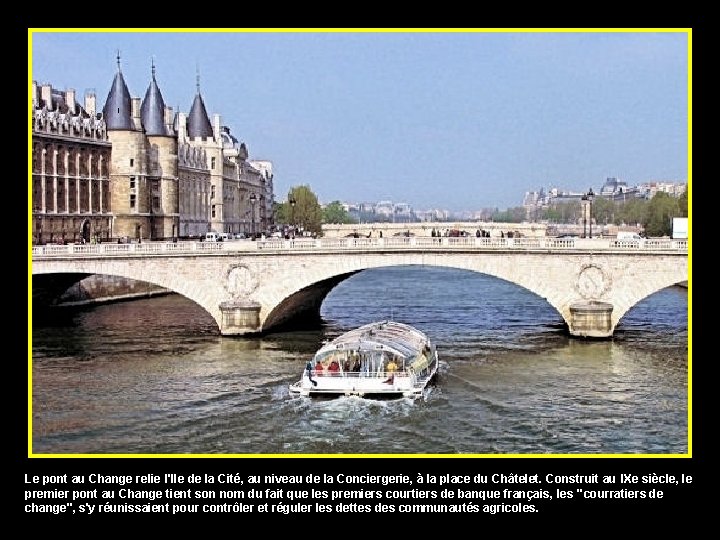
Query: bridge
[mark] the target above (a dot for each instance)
(251, 287)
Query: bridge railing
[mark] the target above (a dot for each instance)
(392, 243)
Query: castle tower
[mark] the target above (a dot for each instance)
(162, 166)
(130, 192)
(201, 134)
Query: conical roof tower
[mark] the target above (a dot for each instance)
(198, 122)
(152, 110)
(118, 105)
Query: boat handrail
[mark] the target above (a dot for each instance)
(361, 374)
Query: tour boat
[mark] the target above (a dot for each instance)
(379, 359)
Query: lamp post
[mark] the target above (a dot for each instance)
(292, 202)
(590, 197)
(253, 200)
(583, 208)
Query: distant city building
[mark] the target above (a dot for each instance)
(649, 189)
(382, 211)
(618, 190)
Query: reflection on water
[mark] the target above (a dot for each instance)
(154, 376)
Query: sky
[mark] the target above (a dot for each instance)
(438, 119)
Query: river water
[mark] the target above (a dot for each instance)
(154, 376)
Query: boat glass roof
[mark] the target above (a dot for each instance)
(401, 339)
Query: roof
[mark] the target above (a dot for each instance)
(198, 123)
(152, 110)
(118, 105)
(398, 338)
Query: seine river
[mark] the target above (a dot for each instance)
(154, 376)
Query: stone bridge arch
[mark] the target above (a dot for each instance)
(254, 292)
(573, 284)
(136, 270)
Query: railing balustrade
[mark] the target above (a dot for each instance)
(400, 243)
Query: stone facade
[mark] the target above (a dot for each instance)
(70, 169)
(132, 172)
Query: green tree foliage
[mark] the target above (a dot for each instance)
(335, 213)
(566, 212)
(516, 214)
(306, 211)
(683, 204)
(603, 210)
(661, 209)
(280, 211)
(656, 214)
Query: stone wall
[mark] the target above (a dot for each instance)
(100, 288)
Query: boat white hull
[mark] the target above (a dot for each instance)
(365, 384)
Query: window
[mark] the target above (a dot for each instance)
(156, 203)
(213, 210)
(132, 201)
(132, 182)
(212, 163)
(212, 192)
(132, 162)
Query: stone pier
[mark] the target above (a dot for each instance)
(591, 318)
(240, 318)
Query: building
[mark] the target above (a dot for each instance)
(70, 168)
(143, 164)
(649, 189)
(618, 190)
(136, 171)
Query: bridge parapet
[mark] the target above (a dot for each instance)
(345, 244)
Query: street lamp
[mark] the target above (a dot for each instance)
(590, 197)
(586, 206)
(292, 202)
(253, 200)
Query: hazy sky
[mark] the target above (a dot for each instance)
(446, 120)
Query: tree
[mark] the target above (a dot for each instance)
(603, 210)
(631, 212)
(661, 210)
(281, 213)
(516, 214)
(306, 211)
(683, 204)
(336, 213)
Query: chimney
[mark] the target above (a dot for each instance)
(135, 112)
(169, 117)
(46, 96)
(90, 103)
(135, 107)
(70, 100)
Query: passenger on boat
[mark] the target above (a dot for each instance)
(318, 368)
(356, 365)
(309, 368)
(390, 368)
(334, 367)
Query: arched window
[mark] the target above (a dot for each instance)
(61, 158)
(48, 154)
(73, 155)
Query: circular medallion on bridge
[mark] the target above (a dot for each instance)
(592, 283)
(240, 281)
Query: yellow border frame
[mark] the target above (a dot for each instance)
(687, 31)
